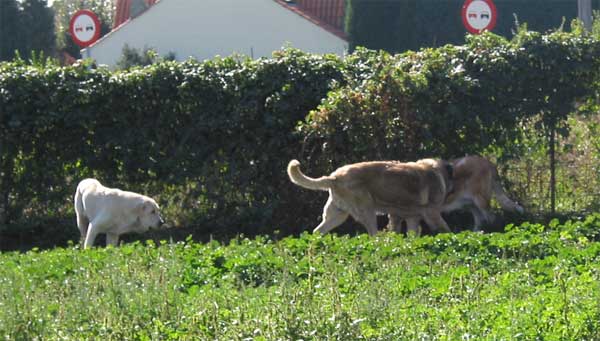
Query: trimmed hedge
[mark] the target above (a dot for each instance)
(211, 140)
(202, 136)
(454, 100)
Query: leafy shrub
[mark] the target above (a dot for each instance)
(454, 100)
(205, 134)
(133, 57)
(211, 140)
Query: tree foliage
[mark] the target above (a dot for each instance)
(401, 25)
(131, 57)
(9, 25)
(25, 26)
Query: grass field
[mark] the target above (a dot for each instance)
(533, 282)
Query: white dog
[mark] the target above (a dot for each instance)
(112, 211)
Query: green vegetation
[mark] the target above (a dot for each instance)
(134, 57)
(211, 140)
(400, 25)
(532, 282)
(26, 29)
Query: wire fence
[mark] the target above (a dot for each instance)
(577, 173)
(577, 185)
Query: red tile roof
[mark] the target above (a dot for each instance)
(327, 14)
(123, 11)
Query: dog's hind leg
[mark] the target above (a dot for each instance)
(481, 213)
(82, 224)
(483, 204)
(332, 217)
(82, 220)
(369, 219)
(93, 230)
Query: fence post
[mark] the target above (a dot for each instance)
(3, 208)
(6, 163)
(4, 174)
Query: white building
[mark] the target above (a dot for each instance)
(204, 29)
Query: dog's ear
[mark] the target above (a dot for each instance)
(449, 170)
(141, 208)
(148, 207)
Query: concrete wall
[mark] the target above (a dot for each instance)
(206, 28)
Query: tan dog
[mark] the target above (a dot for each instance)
(112, 211)
(362, 190)
(475, 179)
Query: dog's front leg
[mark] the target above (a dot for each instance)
(394, 223)
(368, 218)
(370, 223)
(112, 239)
(434, 219)
(413, 226)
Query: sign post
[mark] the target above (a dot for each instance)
(84, 27)
(479, 15)
(584, 13)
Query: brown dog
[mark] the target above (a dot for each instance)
(413, 189)
(475, 179)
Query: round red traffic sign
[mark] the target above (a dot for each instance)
(84, 27)
(479, 15)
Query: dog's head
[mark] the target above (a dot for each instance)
(449, 168)
(445, 169)
(148, 214)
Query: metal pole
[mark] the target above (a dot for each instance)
(584, 13)
(552, 153)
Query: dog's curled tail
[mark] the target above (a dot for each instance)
(323, 183)
(505, 202)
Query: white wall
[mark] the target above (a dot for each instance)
(206, 28)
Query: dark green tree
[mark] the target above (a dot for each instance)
(37, 28)
(9, 28)
(26, 26)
